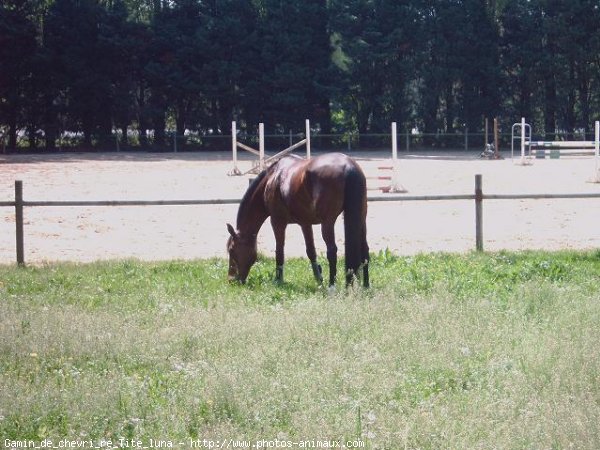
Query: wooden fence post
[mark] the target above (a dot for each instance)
(19, 222)
(478, 213)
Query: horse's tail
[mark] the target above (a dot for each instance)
(355, 205)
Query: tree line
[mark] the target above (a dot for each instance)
(98, 67)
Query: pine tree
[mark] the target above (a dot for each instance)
(378, 41)
(17, 52)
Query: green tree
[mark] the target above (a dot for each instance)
(576, 34)
(377, 44)
(296, 68)
(97, 65)
(121, 42)
(460, 65)
(232, 65)
(73, 31)
(520, 51)
(478, 65)
(18, 47)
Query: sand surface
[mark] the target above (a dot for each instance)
(189, 232)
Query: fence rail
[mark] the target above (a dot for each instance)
(408, 140)
(349, 142)
(478, 197)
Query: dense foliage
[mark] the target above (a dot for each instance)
(99, 67)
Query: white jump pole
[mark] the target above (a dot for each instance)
(597, 152)
(522, 140)
(234, 143)
(394, 143)
(261, 146)
(307, 139)
(235, 170)
(396, 186)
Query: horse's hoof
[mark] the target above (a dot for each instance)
(317, 272)
(331, 289)
(279, 275)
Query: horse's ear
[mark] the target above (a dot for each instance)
(232, 231)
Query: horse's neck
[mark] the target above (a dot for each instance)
(254, 212)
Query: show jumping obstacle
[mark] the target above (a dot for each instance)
(264, 161)
(554, 149)
(394, 183)
(525, 136)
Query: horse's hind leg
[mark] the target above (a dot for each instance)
(328, 232)
(309, 240)
(365, 260)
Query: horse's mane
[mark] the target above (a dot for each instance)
(245, 203)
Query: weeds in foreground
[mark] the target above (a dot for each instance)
(445, 351)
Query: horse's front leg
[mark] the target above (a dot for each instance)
(328, 232)
(309, 241)
(279, 231)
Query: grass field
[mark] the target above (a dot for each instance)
(445, 351)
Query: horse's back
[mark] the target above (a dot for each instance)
(332, 165)
(321, 165)
(310, 191)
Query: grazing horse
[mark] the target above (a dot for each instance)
(305, 192)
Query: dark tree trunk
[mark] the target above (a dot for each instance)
(12, 130)
(87, 132)
(584, 98)
(550, 106)
(159, 125)
(50, 124)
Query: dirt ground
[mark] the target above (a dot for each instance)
(189, 232)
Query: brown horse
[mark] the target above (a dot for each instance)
(306, 192)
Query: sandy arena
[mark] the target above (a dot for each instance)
(190, 232)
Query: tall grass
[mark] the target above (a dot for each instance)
(445, 351)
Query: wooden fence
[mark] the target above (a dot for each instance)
(19, 204)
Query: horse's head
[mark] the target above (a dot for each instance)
(242, 254)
